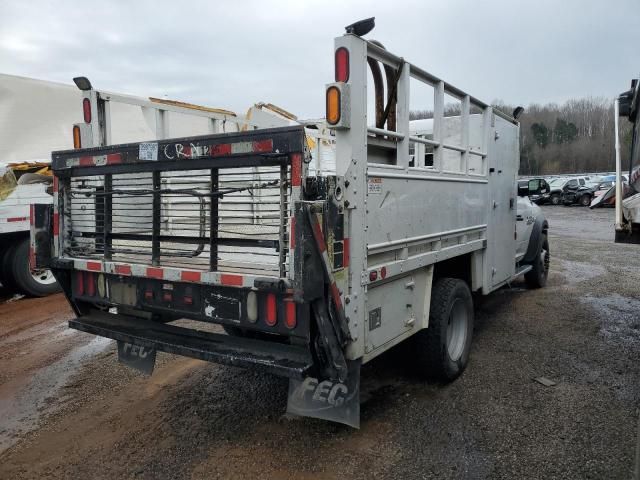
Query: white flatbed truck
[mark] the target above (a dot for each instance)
(311, 275)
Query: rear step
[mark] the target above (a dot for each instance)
(277, 358)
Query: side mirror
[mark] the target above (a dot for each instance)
(534, 187)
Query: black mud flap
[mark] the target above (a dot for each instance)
(137, 357)
(327, 399)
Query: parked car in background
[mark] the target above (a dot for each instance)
(605, 196)
(555, 193)
(578, 190)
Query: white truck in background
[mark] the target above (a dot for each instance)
(311, 269)
(35, 118)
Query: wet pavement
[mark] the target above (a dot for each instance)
(69, 410)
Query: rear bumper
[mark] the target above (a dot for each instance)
(280, 359)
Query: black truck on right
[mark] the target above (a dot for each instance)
(627, 223)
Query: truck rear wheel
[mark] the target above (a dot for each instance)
(537, 276)
(35, 283)
(6, 273)
(441, 351)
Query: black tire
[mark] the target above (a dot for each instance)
(6, 271)
(585, 200)
(555, 199)
(537, 276)
(441, 351)
(3, 251)
(24, 279)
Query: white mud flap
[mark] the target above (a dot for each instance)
(326, 399)
(139, 358)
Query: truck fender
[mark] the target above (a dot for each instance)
(540, 226)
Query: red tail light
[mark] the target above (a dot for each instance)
(148, 295)
(290, 314)
(79, 283)
(271, 316)
(91, 284)
(167, 297)
(187, 300)
(342, 65)
(373, 276)
(86, 110)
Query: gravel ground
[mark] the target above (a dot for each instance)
(197, 420)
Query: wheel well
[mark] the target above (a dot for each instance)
(456, 267)
(11, 238)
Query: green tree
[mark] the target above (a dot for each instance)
(541, 134)
(564, 132)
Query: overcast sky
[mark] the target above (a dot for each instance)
(233, 54)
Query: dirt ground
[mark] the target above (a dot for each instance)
(69, 410)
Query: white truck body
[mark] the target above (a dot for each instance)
(376, 229)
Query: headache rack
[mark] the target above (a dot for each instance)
(215, 203)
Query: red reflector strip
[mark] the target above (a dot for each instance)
(233, 280)
(222, 149)
(79, 283)
(271, 314)
(55, 184)
(32, 257)
(56, 223)
(296, 169)
(155, 272)
(345, 253)
(86, 161)
(17, 219)
(290, 314)
(292, 233)
(94, 266)
(123, 269)
(263, 146)
(187, 276)
(114, 158)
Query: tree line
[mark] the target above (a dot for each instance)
(574, 137)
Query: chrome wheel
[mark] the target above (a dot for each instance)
(43, 277)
